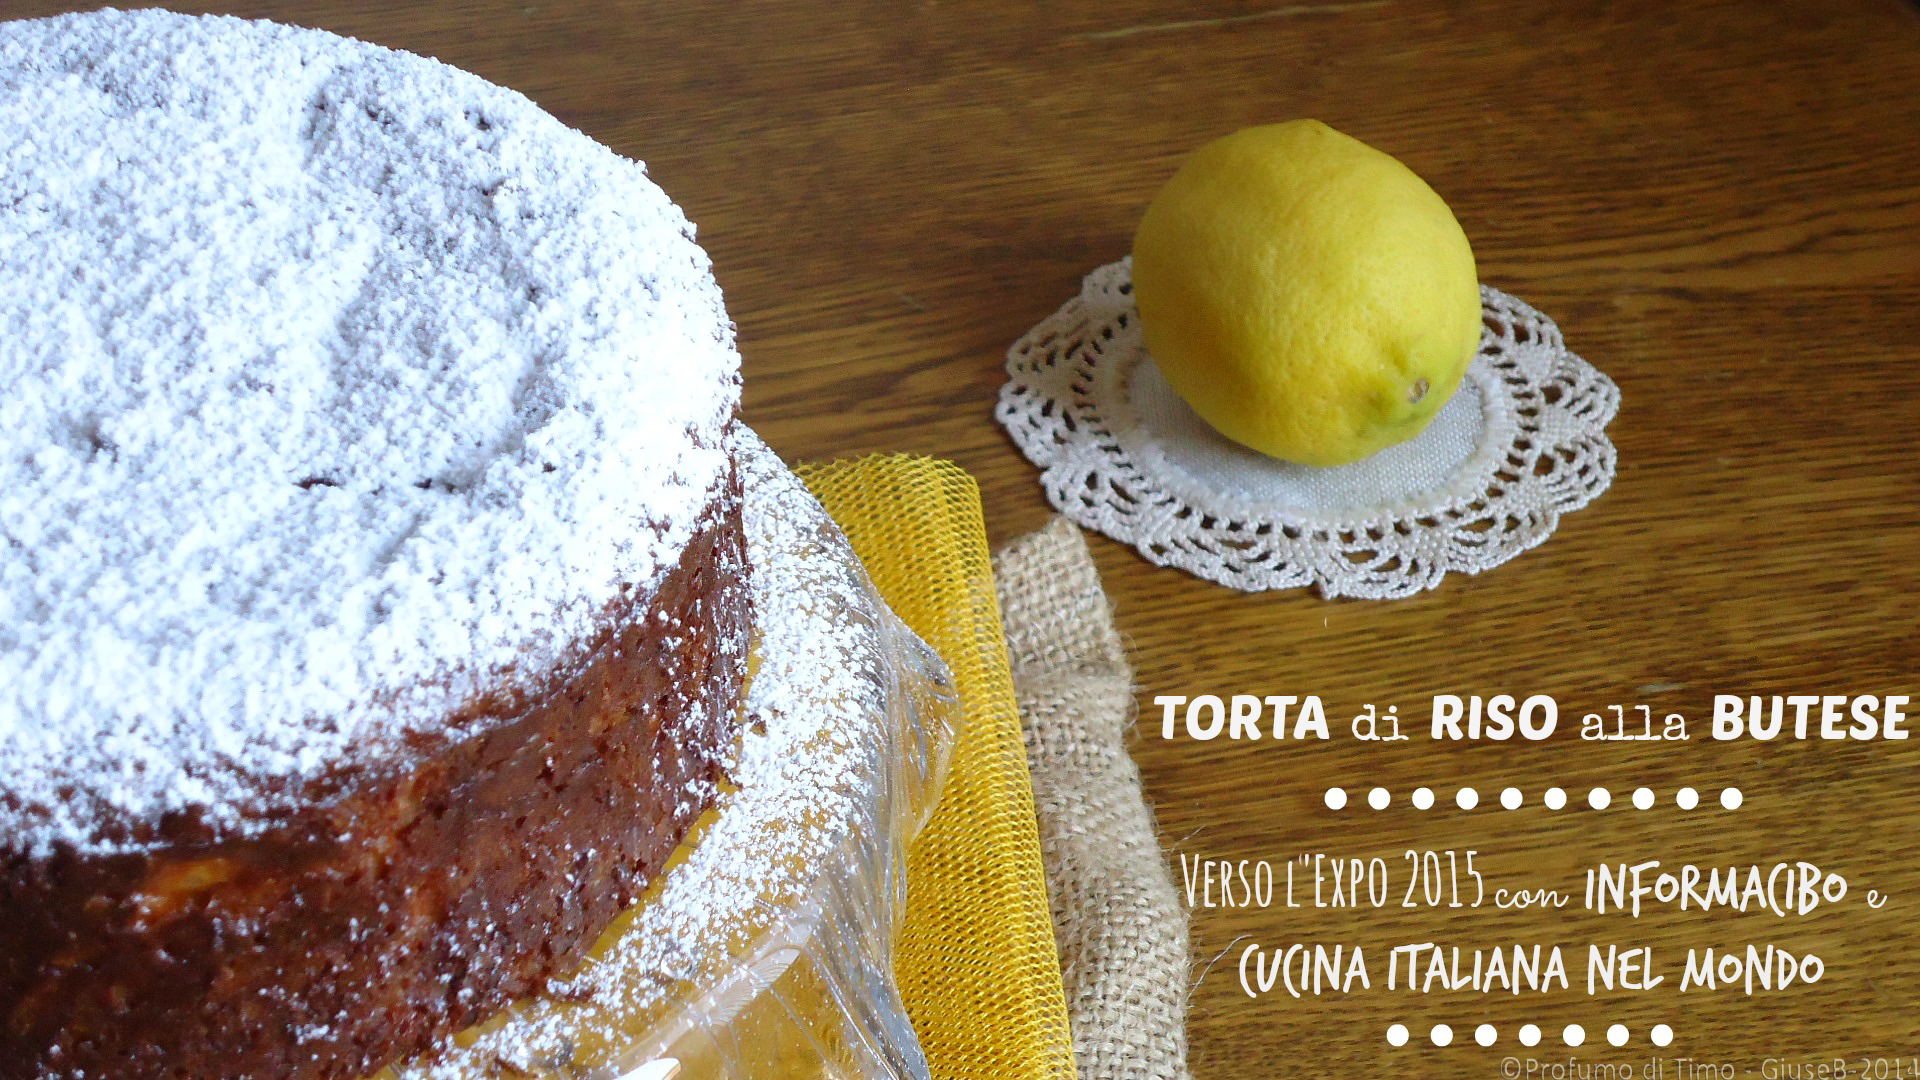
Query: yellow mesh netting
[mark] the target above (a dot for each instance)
(976, 957)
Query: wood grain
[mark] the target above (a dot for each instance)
(1718, 203)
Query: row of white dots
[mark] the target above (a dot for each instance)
(1553, 798)
(1529, 1035)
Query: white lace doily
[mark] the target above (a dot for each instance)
(1522, 442)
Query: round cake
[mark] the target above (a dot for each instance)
(371, 604)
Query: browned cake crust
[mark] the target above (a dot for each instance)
(400, 906)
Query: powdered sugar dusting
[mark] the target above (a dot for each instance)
(802, 858)
(336, 385)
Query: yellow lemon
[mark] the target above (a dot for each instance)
(1308, 295)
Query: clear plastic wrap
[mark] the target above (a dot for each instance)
(765, 948)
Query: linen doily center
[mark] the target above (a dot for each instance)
(1521, 443)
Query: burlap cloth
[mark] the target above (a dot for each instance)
(1117, 918)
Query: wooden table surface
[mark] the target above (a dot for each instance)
(1719, 202)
